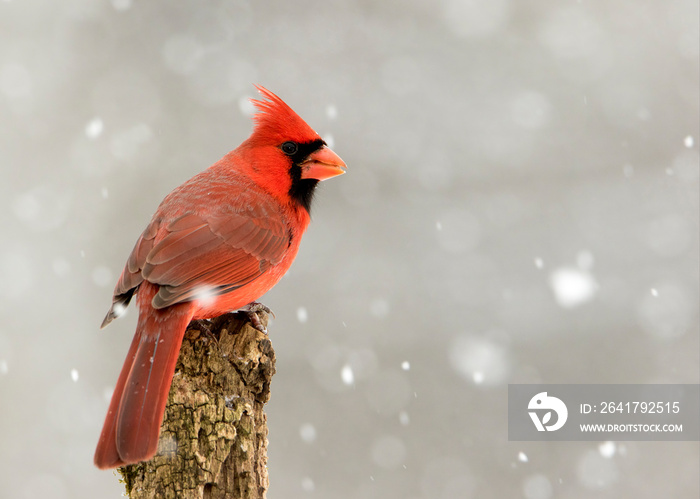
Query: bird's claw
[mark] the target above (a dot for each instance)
(251, 311)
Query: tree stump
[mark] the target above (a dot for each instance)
(213, 441)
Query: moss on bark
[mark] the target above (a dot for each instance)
(213, 441)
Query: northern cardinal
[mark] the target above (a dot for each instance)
(215, 244)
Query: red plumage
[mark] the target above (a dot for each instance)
(215, 244)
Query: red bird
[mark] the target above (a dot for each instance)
(215, 244)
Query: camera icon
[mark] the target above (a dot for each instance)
(541, 402)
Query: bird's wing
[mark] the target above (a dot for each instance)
(197, 255)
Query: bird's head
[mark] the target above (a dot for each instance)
(285, 154)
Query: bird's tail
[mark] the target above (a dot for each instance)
(132, 426)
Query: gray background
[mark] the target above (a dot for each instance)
(521, 206)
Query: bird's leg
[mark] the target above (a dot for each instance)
(251, 311)
(206, 328)
(203, 327)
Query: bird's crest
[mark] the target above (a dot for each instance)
(276, 120)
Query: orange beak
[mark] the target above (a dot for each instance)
(322, 164)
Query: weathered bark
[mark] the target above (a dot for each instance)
(213, 441)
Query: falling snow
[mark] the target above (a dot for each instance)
(205, 295)
(119, 310)
(666, 313)
(331, 111)
(329, 139)
(537, 486)
(479, 360)
(42, 209)
(127, 143)
(107, 394)
(379, 308)
(17, 274)
(596, 471)
(307, 432)
(15, 81)
(512, 213)
(585, 260)
(94, 128)
(572, 286)
(121, 4)
(61, 267)
(607, 449)
(307, 484)
(102, 276)
(347, 375)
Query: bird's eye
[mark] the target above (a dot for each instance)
(289, 148)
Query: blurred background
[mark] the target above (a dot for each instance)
(521, 205)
